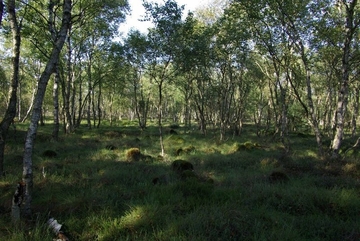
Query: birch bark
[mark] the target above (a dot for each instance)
(343, 93)
(11, 108)
(44, 79)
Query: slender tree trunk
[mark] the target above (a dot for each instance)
(19, 109)
(200, 104)
(44, 78)
(72, 104)
(312, 114)
(31, 104)
(88, 111)
(111, 101)
(11, 108)
(99, 105)
(141, 106)
(160, 119)
(355, 113)
(68, 119)
(343, 93)
(80, 100)
(90, 94)
(93, 106)
(1, 11)
(55, 133)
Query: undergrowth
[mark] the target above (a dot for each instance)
(100, 185)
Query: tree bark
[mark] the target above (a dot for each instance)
(350, 28)
(55, 133)
(44, 78)
(11, 108)
(31, 104)
(355, 113)
(67, 87)
(160, 119)
(99, 104)
(1, 11)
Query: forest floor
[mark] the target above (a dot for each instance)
(100, 187)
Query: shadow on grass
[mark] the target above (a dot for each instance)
(100, 196)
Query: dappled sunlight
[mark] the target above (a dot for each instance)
(96, 183)
(346, 201)
(135, 216)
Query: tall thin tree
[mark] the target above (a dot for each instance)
(36, 114)
(11, 108)
(351, 25)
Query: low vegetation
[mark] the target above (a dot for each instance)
(110, 184)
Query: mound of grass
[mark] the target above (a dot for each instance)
(133, 154)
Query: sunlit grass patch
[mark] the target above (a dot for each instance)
(228, 194)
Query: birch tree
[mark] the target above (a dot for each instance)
(10, 113)
(351, 24)
(1, 11)
(35, 117)
(163, 47)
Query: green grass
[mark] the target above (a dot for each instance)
(100, 194)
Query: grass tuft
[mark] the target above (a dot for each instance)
(243, 188)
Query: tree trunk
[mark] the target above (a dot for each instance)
(44, 78)
(31, 104)
(200, 104)
(343, 93)
(90, 94)
(99, 105)
(88, 111)
(160, 119)
(67, 88)
(1, 11)
(312, 115)
(11, 108)
(80, 101)
(55, 133)
(355, 113)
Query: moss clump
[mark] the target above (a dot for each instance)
(278, 177)
(133, 154)
(246, 146)
(185, 150)
(181, 165)
(179, 151)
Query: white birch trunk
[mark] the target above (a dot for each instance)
(350, 29)
(44, 78)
